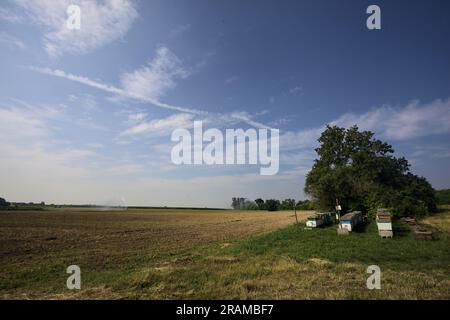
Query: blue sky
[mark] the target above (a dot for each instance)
(86, 115)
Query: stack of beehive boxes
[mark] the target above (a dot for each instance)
(350, 220)
(384, 223)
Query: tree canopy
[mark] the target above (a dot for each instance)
(362, 174)
(272, 205)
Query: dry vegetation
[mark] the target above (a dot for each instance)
(441, 220)
(179, 254)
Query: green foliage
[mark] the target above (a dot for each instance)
(416, 197)
(287, 204)
(249, 205)
(306, 205)
(243, 204)
(362, 174)
(443, 196)
(260, 203)
(272, 205)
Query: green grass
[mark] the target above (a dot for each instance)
(365, 246)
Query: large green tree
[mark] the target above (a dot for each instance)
(362, 174)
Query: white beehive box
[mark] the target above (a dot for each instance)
(384, 226)
(311, 223)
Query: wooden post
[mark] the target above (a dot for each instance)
(338, 210)
(295, 211)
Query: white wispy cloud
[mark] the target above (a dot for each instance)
(111, 89)
(400, 124)
(403, 123)
(15, 123)
(178, 30)
(392, 123)
(146, 84)
(296, 90)
(154, 79)
(246, 117)
(433, 152)
(164, 126)
(161, 126)
(20, 121)
(25, 135)
(8, 15)
(151, 82)
(85, 101)
(136, 117)
(34, 165)
(20, 118)
(11, 41)
(102, 22)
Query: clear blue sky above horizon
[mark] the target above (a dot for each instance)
(86, 116)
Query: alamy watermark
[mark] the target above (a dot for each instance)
(251, 146)
(73, 21)
(374, 280)
(374, 20)
(74, 280)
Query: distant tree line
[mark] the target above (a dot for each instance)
(271, 204)
(6, 205)
(243, 204)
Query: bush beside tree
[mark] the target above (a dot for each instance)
(443, 196)
(306, 205)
